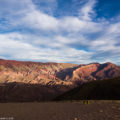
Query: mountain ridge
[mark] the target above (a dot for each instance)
(55, 73)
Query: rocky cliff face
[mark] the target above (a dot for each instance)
(54, 73)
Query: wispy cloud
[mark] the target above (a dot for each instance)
(87, 11)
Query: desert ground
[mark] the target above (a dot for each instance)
(74, 110)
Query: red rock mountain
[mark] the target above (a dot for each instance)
(54, 73)
(35, 81)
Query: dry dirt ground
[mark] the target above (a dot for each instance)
(96, 110)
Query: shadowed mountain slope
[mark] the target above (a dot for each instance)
(96, 90)
(90, 72)
(20, 92)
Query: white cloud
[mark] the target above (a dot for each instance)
(87, 10)
(15, 7)
(109, 40)
(21, 50)
(65, 39)
(39, 20)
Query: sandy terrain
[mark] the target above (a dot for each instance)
(105, 110)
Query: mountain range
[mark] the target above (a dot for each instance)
(55, 73)
(34, 81)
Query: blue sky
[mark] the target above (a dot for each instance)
(73, 31)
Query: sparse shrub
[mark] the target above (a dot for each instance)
(86, 102)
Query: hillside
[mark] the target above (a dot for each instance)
(96, 90)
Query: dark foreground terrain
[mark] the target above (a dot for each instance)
(96, 90)
(95, 110)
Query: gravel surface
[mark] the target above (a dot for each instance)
(95, 110)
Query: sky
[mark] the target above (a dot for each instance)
(69, 31)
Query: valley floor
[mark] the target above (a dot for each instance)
(76, 110)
